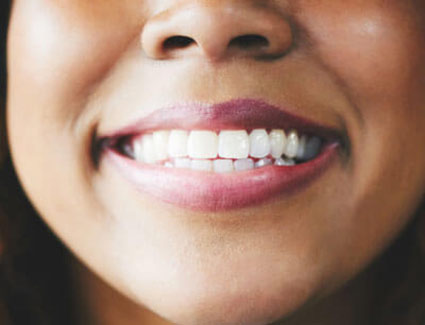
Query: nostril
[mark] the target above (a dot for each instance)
(249, 42)
(177, 42)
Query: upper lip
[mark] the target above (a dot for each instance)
(234, 114)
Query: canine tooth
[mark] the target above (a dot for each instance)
(259, 143)
(223, 165)
(202, 144)
(182, 163)
(284, 162)
(203, 165)
(160, 140)
(137, 144)
(312, 148)
(244, 164)
(177, 143)
(301, 147)
(148, 149)
(263, 162)
(292, 144)
(277, 143)
(233, 144)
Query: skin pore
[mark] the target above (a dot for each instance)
(81, 68)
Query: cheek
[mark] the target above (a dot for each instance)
(55, 59)
(58, 54)
(377, 56)
(375, 51)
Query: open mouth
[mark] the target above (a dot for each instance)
(220, 157)
(221, 152)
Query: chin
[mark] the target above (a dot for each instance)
(230, 308)
(250, 296)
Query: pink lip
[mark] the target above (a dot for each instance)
(234, 114)
(205, 191)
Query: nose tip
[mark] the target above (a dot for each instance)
(216, 32)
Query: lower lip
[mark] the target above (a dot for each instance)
(210, 192)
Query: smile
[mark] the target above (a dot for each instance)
(221, 157)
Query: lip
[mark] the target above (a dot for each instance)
(210, 192)
(233, 114)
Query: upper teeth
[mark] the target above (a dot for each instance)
(202, 144)
(259, 143)
(233, 144)
(195, 149)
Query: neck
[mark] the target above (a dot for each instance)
(104, 305)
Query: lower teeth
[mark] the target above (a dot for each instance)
(221, 166)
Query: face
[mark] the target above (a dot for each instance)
(95, 87)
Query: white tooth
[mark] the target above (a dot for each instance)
(301, 147)
(312, 148)
(223, 165)
(244, 164)
(233, 144)
(284, 162)
(148, 149)
(137, 144)
(177, 143)
(277, 143)
(203, 165)
(202, 144)
(263, 162)
(292, 144)
(182, 163)
(259, 143)
(160, 140)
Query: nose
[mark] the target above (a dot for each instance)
(217, 32)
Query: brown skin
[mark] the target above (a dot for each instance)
(78, 66)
